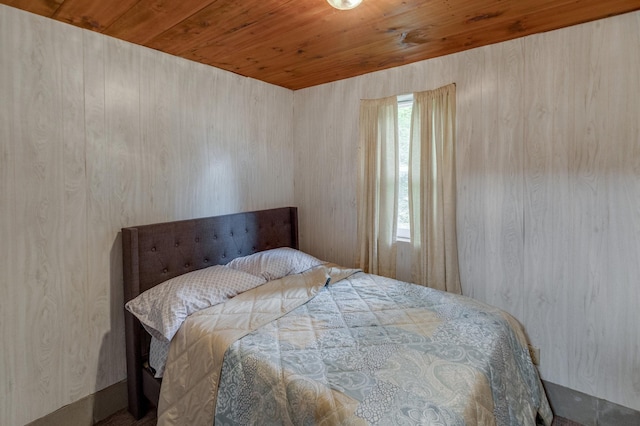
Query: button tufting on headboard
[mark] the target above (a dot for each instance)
(164, 249)
(155, 253)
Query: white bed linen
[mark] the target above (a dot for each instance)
(192, 372)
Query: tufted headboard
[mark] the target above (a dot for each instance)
(155, 253)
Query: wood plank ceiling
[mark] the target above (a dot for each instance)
(302, 43)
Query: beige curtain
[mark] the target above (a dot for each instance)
(432, 190)
(378, 186)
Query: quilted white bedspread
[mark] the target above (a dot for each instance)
(190, 383)
(363, 350)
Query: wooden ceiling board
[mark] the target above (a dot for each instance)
(148, 18)
(270, 45)
(211, 24)
(271, 30)
(40, 7)
(323, 70)
(324, 35)
(95, 15)
(268, 38)
(320, 43)
(386, 46)
(298, 44)
(364, 59)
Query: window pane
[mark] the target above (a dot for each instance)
(405, 104)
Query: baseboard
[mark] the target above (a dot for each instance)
(88, 410)
(588, 410)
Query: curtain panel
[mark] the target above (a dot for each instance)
(432, 190)
(378, 186)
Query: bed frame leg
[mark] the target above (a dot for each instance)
(137, 401)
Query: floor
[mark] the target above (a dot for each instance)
(123, 418)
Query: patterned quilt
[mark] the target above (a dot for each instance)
(372, 350)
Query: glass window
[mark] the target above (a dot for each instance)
(405, 105)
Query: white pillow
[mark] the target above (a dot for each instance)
(163, 308)
(275, 263)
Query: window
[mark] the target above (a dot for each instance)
(405, 106)
(406, 179)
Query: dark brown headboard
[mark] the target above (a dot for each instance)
(155, 253)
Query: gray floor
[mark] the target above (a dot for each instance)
(123, 418)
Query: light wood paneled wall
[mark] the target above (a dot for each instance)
(97, 134)
(548, 168)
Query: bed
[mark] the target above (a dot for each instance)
(313, 343)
